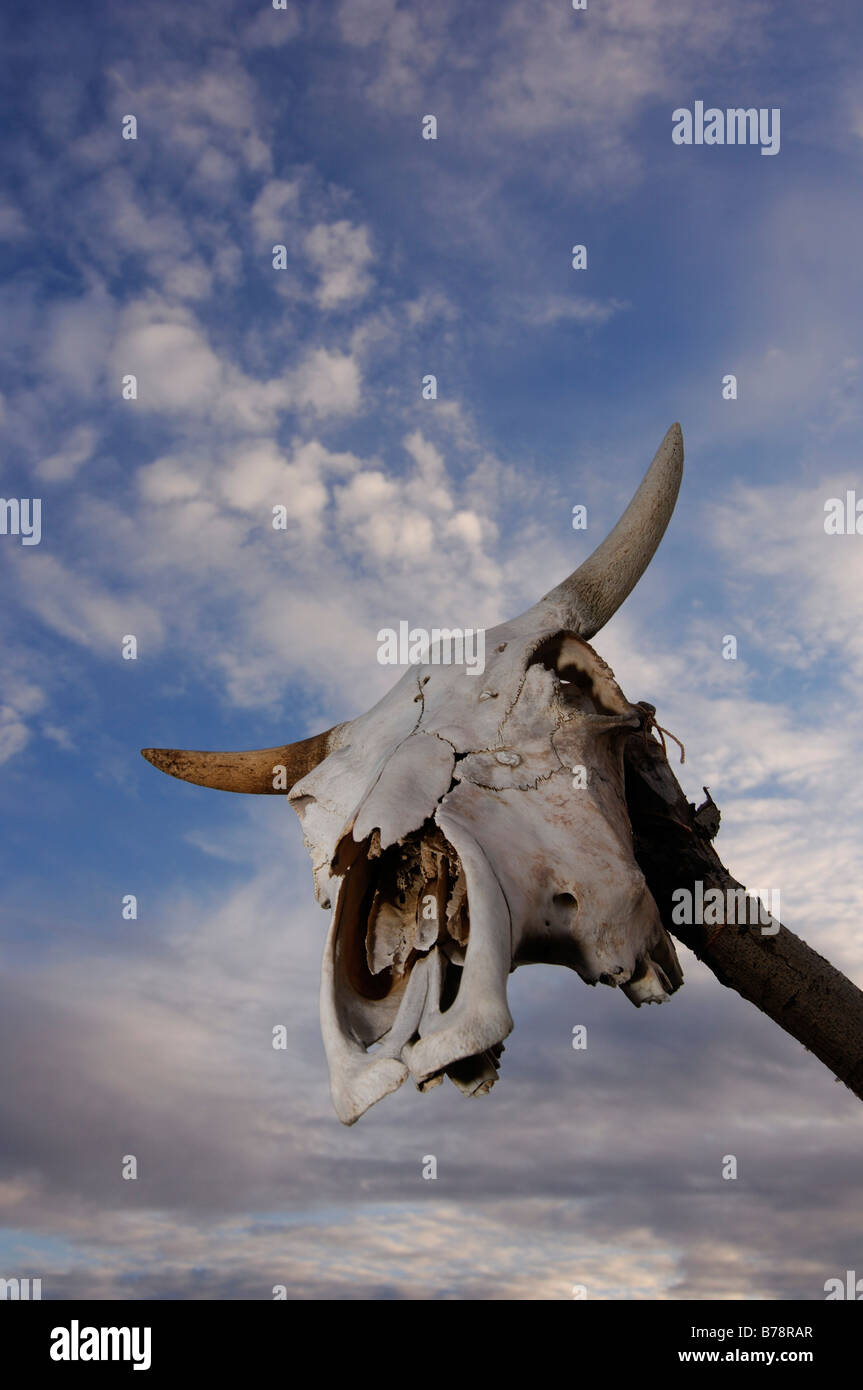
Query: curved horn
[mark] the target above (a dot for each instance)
(595, 591)
(252, 772)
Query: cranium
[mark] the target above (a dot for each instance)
(454, 837)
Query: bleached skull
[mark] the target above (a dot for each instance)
(455, 836)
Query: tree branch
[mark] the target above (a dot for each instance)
(780, 974)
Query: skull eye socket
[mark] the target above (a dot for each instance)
(585, 681)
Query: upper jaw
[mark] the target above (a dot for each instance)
(438, 1007)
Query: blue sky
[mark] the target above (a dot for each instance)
(303, 386)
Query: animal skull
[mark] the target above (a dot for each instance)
(452, 842)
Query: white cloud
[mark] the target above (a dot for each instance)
(189, 279)
(466, 526)
(179, 373)
(275, 199)
(365, 24)
(14, 733)
(137, 226)
(327, 383)
(431, 305)
(405, 44)
(20, 700)
(547, 310)
(260, 476)
(170, 479)
(176, 369)
(809, 584)
(222, 94)
(272, 28)
(359, 534)
(77, 335)
(341, 252)
(216, 170)
(66, 463)
(533, 62)
(12, 223)
(80, 609)
(59, 735)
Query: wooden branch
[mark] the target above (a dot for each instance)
(780, 974)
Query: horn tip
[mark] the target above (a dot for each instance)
(159, 757)
(674, 437)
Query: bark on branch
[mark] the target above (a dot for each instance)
(780, 974)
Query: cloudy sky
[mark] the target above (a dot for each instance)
(301, 386)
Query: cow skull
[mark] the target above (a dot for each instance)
(455, 838)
